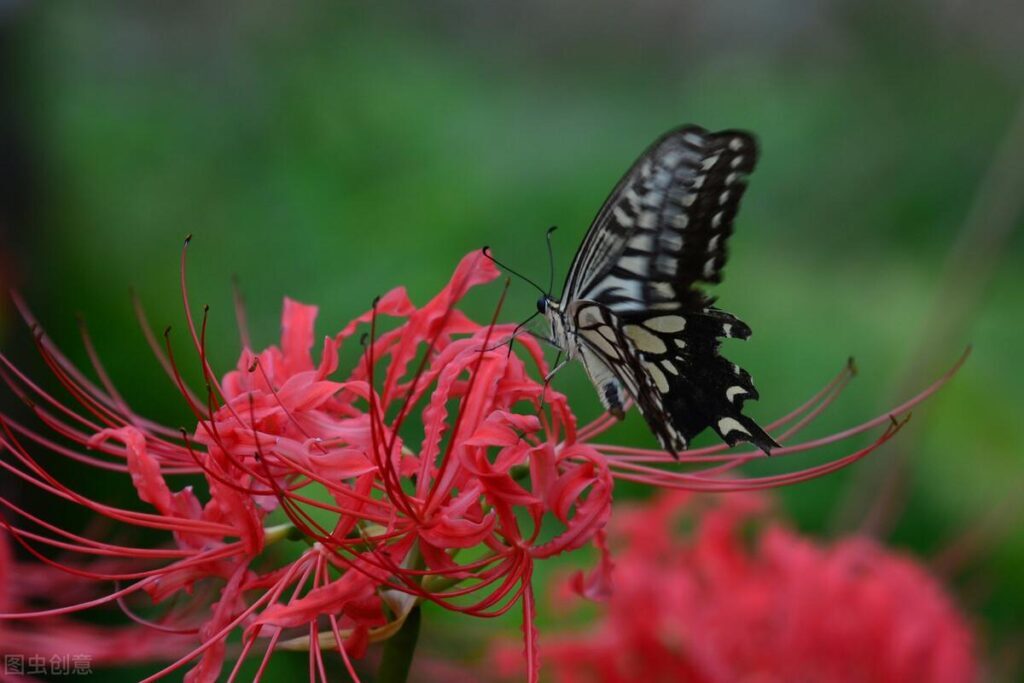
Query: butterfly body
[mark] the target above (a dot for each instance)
(631, 310)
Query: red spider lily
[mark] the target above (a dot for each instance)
(718, 607)
(320, 519)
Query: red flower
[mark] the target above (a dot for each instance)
(716, 607)
(322, 519)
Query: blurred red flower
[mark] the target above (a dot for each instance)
(59, 644)
(739, 598)
(312, 514)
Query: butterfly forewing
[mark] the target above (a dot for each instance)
(666, 224)
(631, 309)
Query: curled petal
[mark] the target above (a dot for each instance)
(502, 428)
(300, 393)
(328, 359)
(474, 269)
(502, 487)
(331, 598)
(297, 322)
(597, 584)
(458, 532)
(591, 513)
(144, 468)
(394, 303)
(224, 611)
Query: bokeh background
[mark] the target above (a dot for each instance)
(330, 151)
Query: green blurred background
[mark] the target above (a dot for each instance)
(329, 151)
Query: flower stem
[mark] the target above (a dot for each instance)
(399, 649)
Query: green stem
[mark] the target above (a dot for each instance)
(396, 659)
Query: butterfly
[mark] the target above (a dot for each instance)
(631, 310)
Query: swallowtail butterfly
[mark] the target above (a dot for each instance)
(631, 310)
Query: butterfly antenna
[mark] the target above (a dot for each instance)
(487, 252)
(551, 260)
(515, 333)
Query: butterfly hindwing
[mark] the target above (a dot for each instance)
(615, 364)
(703, 388)
(670, 364)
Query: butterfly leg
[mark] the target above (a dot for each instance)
(547, 379)
(559, 365)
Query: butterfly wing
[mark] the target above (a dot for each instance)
(669, 363)
(666, 225)
(617, 369)
(693, 384)
(663, 230)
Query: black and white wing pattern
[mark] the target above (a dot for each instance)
(631, 309)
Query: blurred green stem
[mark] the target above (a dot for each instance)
(399, 649)
(880, 487)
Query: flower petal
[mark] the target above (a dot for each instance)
(297, 322)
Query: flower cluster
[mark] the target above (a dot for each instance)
(737, 599)
(313, 509)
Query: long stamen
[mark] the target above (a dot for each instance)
(240, 317)
(157, 349)
(395, 492)
(446, 459)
